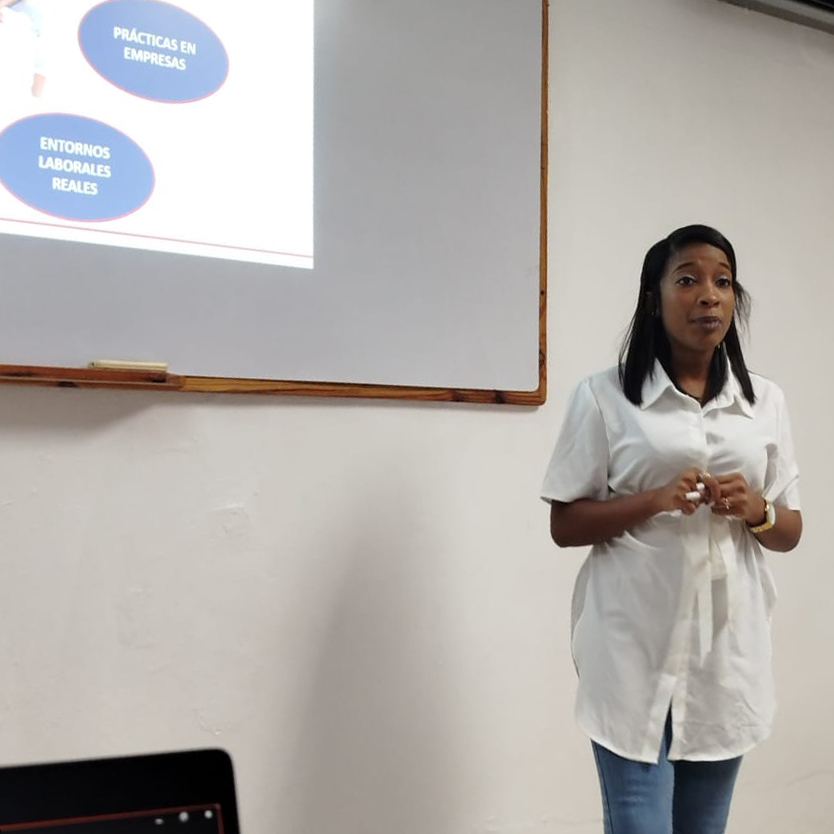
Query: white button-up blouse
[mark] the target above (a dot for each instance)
(675, 612)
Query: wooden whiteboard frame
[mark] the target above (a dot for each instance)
(95, 378)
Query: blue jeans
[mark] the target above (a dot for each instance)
(664, 798)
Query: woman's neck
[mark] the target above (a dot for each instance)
(691, 373)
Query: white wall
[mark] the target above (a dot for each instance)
(359, 600)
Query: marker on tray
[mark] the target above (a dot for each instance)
(129, 365)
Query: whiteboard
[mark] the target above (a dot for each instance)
(428, 227)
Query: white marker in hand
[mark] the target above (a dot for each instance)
(696, 495)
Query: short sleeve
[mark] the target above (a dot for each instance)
(782, 476)
(579, 465)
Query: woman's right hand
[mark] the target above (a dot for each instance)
(589, 521)
(677, 494)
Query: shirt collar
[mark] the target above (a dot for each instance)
(730, 395)
(656, 384)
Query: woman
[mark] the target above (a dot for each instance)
(30, 9)
(678, 467)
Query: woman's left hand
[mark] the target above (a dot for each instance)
(737, 500)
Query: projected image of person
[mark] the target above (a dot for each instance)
(32, 11)
(677, 466)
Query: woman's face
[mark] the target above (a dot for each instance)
(697, 299)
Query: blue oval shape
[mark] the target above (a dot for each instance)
(74, 168)
(153, 50)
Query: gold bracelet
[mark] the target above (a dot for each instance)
(768, 521)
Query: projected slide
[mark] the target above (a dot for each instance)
(181, 127)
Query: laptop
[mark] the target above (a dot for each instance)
(189, 792)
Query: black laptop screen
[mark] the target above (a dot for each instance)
(180, 792)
